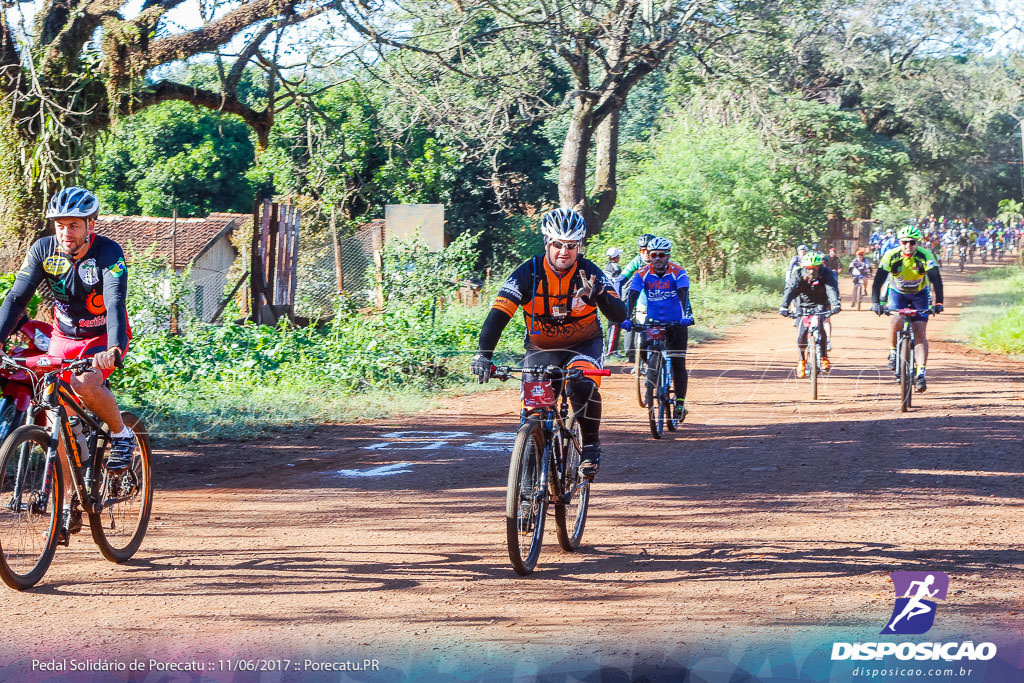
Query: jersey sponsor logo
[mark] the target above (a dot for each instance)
(95, 322)
(117, 270)
(88, 272)
(56, 265)
(512, 288)
(94, 303)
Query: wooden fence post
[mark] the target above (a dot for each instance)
(339, 277)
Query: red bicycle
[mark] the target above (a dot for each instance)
(16, 391)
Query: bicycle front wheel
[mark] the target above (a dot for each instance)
(126, 499)
(667, 395)
(814, 363)
(655, 406)
(906, 374)
(30, 506)
(571, 510)
(526, 501)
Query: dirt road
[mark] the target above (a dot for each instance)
(768, 518)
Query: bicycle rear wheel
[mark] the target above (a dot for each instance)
(30, 506)
(640, 371)
(571, 515)
(118, 529)
(906, 374)
(526, 499)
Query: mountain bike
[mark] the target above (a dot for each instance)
(545, 463)
(813, 318)
(32, 519)
(906, 363)
(963, 258)
(860, 291)
(659, 391)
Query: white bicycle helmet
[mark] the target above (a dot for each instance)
(73, 202)
(613, 252)
(659, 244)
(563, 224)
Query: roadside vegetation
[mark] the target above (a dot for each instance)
(995, 319)
(237, 381)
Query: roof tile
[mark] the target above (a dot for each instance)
(187, 240)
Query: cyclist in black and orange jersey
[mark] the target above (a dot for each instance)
(560, 294)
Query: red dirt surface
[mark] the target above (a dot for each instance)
(766, 517)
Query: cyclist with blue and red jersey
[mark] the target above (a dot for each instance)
(667, 287)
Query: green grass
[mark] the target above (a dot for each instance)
(242, 382)
(242, 413)
(994, 320)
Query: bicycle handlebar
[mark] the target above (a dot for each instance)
(640, 327)
(504, 372)
(807, 311)
(909, 311)
(48, 363)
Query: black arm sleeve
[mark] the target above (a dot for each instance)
(936, 280)
(684, 297)
(790, 293)
(634, 296)
(876, 285)
(832, 290)
(491, 331)
(18, 296)
(115, 294)
(611, 307)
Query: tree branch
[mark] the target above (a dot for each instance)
(221, 31)
(166, 91)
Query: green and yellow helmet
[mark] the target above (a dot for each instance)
(812, 259)
(909, 233)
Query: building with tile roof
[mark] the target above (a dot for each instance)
(202, 243)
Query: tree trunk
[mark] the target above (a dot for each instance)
(572, 171)
(21, 204)
(602, 199)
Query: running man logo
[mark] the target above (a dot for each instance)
(914, 612)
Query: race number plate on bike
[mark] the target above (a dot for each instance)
(538, 394)
(655, 334)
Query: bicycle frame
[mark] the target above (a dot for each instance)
(54, 396)
(552, 418)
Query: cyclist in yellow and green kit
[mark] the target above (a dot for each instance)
(909, 268)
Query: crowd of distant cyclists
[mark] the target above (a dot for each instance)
(561, 293)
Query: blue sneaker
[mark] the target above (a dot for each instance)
(121, 451)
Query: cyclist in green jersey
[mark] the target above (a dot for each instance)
(638, 262)
(910, 268)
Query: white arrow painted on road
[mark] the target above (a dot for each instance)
(381, 471)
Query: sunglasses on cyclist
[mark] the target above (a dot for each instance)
(908, 241)
(559, 245)
(658, 254)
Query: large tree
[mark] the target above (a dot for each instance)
(510, 63)
(82, 64)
